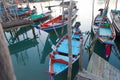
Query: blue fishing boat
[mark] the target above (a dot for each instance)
(40, 16)
(58, 64)
(57, 22)
(104, 31)
(115, 16)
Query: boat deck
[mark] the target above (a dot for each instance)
(99, 69)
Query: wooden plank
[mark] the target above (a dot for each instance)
(102, 68)
(88, 75)
(10, 28)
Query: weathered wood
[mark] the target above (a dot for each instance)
(102, 68)
(16, 24)
(69, 40)
(115, 21)
(6, 69)
(87, 75)
(81, 52)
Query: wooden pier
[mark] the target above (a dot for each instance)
(16, 24)
(99, 69)
(115, 22)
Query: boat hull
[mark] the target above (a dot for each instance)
(114, 14)
(63, 74)
(59, 26)
(104, 34)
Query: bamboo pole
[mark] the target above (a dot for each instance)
(92, 24)
(63, 16)
(106, 8)
(41, 6)
(81, 52)
(6, 69)
(116, 4)
(62, 10)
(69, 40)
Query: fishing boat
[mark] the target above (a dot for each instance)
(115, 16)
(104, 31)
(22, 12)
(57, 22)
(40, 17)
(58, 64)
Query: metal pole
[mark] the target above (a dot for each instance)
(69, 40)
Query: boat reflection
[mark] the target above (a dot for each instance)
(20, 48)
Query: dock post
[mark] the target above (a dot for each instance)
(80, 59)
(92, 45)
(69, 29)
(33, 30)
(6, 69)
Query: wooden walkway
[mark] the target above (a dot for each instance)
(116, 21)
(99, 69)
(16, 24)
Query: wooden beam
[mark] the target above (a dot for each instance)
(69, 40)
(6, 69)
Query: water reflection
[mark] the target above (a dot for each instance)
(29, 54)
(19, 49)
(45, 52)
(31, 60)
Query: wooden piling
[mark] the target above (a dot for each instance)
(99, 69)
(6, 69)
(69, 28)
(81, 52)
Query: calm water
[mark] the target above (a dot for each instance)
(30, 56)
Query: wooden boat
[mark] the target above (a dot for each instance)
(58, 64)
(57, 22)
(115, 16)
(15, 12)
(104, 30)
(105, 33)
(40, 17)
(23, 12)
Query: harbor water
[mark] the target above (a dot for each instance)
(30, 56)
